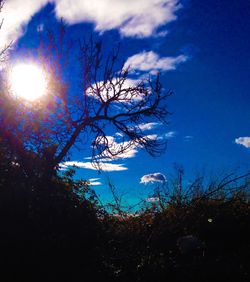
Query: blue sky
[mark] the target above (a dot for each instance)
(202, 50)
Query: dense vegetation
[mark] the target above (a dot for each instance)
(53, 227)
(57, 228)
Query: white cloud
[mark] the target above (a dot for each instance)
(152, 137)
(104, 91)
(127, 153)
(150, 61)
(93, 179)
(127, 149)
(153, 177)
(88, 165)
(138, 18)
(244, 141)
(147, 126)
(170, 134)
(94, 182)
(97, 183)
(16, 14)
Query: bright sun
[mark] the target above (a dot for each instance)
(28, 81)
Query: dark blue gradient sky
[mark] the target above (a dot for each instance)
(211, 102)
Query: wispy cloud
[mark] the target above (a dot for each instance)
(88, 165)
(16, 14)
(139, 18)
(147, 126)
(244, 141)
(170, 134)
(188, 137)
(152, 62)
(119, 134)
(153, 177)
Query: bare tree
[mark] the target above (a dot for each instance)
(43, 135)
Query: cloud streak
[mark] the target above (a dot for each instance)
(88, 165)
(188, 138)
(94, 182)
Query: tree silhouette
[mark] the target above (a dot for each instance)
(42, 136)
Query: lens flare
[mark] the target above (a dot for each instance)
(28, 82)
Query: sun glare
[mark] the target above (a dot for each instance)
(28, 82)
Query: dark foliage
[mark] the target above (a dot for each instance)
(56, 229)
(200, 241)
(46, 229)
